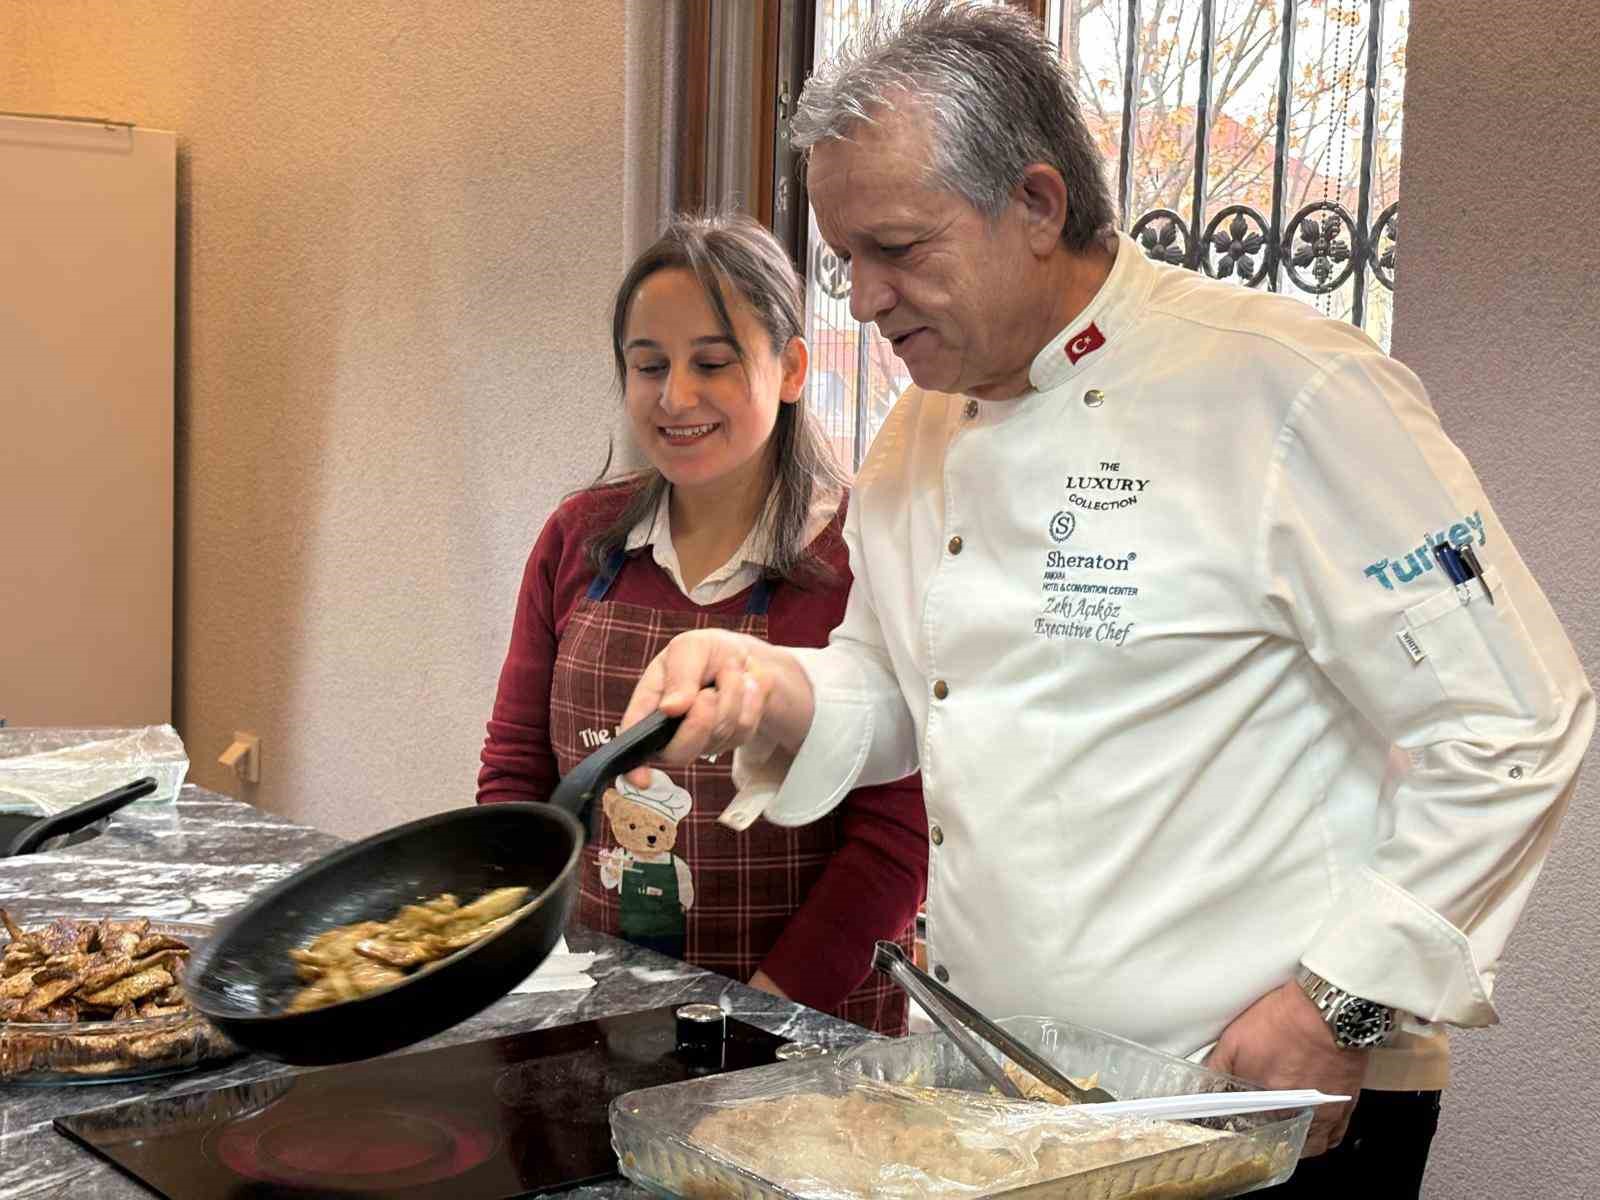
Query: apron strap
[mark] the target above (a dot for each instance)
(601, 583)
(760, 598)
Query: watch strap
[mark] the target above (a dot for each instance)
(1331, 1000)
(1318, 990)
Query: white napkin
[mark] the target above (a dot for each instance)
(563, 971)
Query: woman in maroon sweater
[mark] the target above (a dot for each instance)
(736, 525)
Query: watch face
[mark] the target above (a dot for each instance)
(1362, 1023)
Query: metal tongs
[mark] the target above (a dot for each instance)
(960, 1022)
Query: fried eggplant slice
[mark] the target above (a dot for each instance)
(122, 937)
(370, 976)
(340, 942)
(19, 956)
(153, 1007)
(49, 986)
(14, 987)
(106, 971)
(352, 960)
(419, 920)
(397, 954)
(11, 926)
(168, 960)
(460, 941)
(152, 942)
(59, 937)
(72, 961)
(487, 907)
(134, 987)
(316, 995)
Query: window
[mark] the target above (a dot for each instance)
(856, 356)
(1294, 185)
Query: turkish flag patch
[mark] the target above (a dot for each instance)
(1085, 341)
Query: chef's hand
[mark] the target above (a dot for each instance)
(1281, 1041)
(730, 688)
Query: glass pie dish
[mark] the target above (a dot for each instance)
(103, 1051)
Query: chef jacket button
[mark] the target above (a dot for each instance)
(936, 835)
(1094, 398)
(941, 689)
(971, 411)
(942, 973)
(955, 544)
(1516, 772)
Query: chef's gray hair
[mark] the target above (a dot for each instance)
(995, 92)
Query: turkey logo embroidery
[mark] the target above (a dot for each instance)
(1086, 342)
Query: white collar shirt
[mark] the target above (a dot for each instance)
(744, 566)
(1149, 632)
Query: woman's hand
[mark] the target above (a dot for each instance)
(731, 690)
(762, 982)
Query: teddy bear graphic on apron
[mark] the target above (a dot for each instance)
(700, 892)
(655, 887)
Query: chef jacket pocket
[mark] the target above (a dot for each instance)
(1481, 654)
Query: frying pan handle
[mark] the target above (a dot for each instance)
(76, 817)
(627, 750)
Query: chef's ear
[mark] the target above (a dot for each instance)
(1041, 199)
(607, 802)
(794, 360)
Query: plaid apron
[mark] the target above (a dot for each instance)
(744, 886)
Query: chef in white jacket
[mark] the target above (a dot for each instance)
(1217, 747)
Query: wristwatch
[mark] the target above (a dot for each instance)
(1357, 1024)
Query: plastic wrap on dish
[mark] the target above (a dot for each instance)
(911, 1118)
(48, 770)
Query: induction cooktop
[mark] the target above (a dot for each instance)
(516, 1116)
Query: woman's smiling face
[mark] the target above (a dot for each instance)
(700, 414)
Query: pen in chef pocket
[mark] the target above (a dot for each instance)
(1450, 563)
(1470, 556)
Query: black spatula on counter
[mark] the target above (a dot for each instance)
(39, 831)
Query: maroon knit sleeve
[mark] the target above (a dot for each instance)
(517, 761)
(871, 889)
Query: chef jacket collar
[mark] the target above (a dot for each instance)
(1114, 310)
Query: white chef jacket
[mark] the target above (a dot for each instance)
(1149, 631)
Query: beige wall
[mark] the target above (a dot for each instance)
(1499, 312)
(398, 228)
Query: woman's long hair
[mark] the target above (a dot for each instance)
(733, 250)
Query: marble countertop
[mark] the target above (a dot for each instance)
(203, 857)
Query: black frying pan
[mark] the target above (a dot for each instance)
(23, 833)
(241, 977)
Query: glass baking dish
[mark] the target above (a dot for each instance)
(71, 1052)
(662, 1145)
